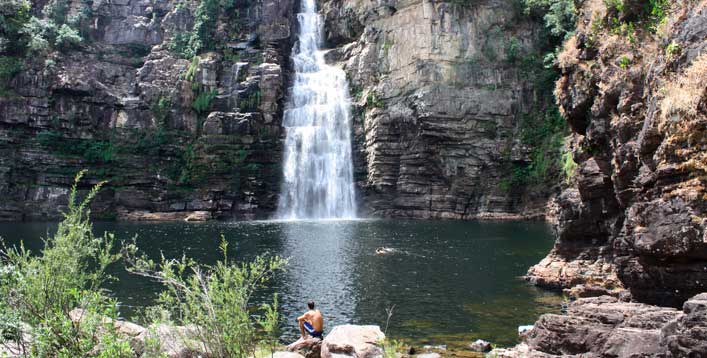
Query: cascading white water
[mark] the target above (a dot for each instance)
(318, 174)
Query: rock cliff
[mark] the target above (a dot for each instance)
(442, 91)
(175, 136)
(633, 91)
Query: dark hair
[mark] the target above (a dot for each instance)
(310, 304)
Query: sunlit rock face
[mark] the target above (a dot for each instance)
(634, 217)
(437, 105)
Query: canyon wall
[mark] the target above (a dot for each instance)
(174, 136)
(439, 88)
(439, 91)
(635, 98)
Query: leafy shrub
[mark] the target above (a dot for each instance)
(41, 291)
(203, 101)
(41, 34)
(559, 15)
(191, 43)
(214, 299)
(569, 166)
(92, 150)
(182, 45)
(161, 110)
(9, 67)
(13, 15)
(373, 101)
(512, 50)
(67, 37)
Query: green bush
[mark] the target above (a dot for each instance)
(67, 37)
(559, 15)
(216, 299)
(92, 150)
(9, 67)
(203, 101)
(40, 291)
(13, 15)
(512, 50)
(200, 38)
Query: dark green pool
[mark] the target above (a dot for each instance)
(451, 282)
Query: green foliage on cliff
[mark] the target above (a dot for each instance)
(92, 150)
(202, 102)
(39, 291)
(559, 15)
(217, 299)
(13, 15)
(201, 37)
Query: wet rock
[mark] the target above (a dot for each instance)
(353, 341)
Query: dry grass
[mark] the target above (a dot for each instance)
(570, 54)
(684, 94)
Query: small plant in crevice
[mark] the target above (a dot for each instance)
(569, 166)
(202, 102)
(624, 62)
(672, 50)
(373, 101)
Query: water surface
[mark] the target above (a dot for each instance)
(451, 282)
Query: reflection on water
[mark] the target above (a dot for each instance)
(451, 282)
(320, 268)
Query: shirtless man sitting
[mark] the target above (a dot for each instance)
(311, 322)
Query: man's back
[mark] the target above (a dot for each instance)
(316, 319)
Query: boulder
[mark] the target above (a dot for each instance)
(353, 341)
(178, 341)
(308, 347)
(480, 345)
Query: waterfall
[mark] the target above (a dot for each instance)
(318, 174)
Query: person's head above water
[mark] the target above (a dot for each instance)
(310, 304)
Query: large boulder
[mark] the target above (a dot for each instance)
(353, 341)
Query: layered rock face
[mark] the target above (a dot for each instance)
(438, 99)
(175, 138)
(604, 327)
(439, 88)
(635, 99)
